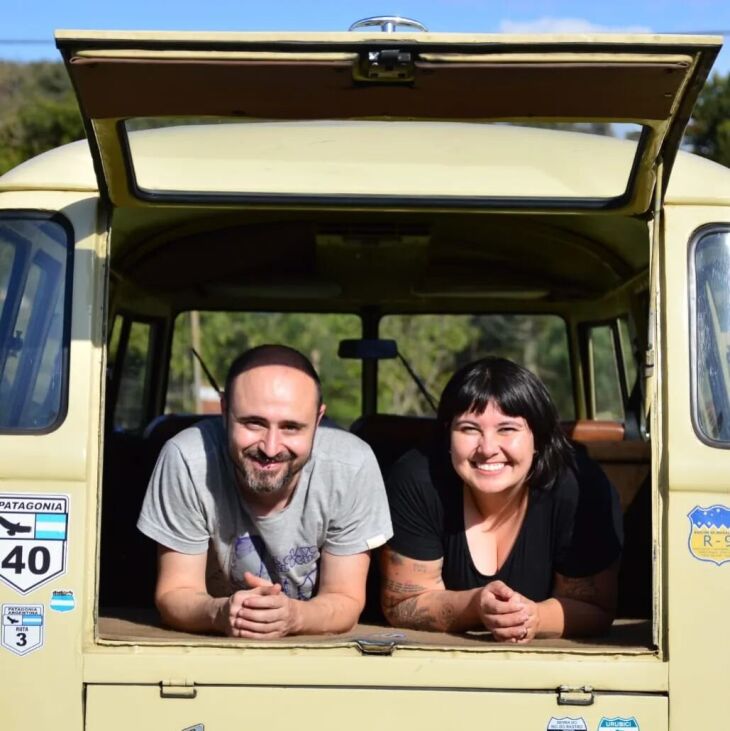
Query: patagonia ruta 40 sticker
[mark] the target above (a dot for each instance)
(33, 539)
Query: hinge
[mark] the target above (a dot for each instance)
(569, 695)
(177, 689)
(648, 363)
(388, 65)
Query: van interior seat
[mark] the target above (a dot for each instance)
(128, 564)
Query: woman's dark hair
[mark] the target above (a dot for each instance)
(517, 392)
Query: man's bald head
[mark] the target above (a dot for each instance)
(263, 355)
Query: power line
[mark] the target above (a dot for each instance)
(26, 41)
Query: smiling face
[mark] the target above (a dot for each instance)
(492, 452)
(271, 420)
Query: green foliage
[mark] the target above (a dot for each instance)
(434, 345)
(437, 345)
(709, 130)
(224, 335)
(38, 111)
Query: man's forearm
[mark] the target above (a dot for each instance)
(436, 611)
(326, 613)
(191, 610)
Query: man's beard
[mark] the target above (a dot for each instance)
(259, 481)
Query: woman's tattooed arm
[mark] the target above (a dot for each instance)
(413, 596)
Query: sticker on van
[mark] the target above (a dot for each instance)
(22, 627)
(33, 536)
(566, 723)
(618, 723)
(62, 601)
(709, 534)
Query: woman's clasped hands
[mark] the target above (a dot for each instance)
(508, 615)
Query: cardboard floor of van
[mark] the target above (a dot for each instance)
(135, 626)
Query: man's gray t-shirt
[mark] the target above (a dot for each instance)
(193, 505)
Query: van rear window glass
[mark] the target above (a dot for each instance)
(221, 336)
(711, 336)
(34, 293)
(437, 345)
(223, 157)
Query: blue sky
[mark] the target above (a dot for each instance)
(31, 20)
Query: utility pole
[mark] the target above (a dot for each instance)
(195, 342)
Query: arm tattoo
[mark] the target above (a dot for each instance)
(408, 614)
(403, 588)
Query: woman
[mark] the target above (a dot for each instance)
(504, 525)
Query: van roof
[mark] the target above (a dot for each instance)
(267, 155)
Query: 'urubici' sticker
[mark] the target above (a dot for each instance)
(617, 722)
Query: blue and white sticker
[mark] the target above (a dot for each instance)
(33, 539)
(618, 722)
(62, 601)
(709, 533)
(22, 627)
(567, 723)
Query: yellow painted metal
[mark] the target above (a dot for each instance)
(691, 465)
(628, 672)
(43, 688)
(118, 709)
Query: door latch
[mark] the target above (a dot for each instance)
(569, 695)
(387, 65)
(177, 689)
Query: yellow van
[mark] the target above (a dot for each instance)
(458, 194)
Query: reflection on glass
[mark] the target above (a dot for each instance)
(33, 261)
(395, 157)
(712, 323)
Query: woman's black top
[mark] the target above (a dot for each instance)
(574, 528)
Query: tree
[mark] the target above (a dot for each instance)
(39, 111)
(709, 129)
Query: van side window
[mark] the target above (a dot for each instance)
(606, 395)
(437, 345)
(34, 327)
(221, 336)
(133, 355)
(710, 325)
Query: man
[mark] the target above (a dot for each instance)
(282, 511)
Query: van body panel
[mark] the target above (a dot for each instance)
(696, 466)
(694, 476)
(227, 663)
(698, 595)
(116, 708)
(61, 463)
(66, 448)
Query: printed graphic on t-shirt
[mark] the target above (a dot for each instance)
(290, 563)
(296, 570)
(248, 555)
